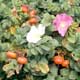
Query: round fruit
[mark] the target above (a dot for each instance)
(58, 59)
(11, 55)
(22, 60)
(33, 21)
(65, 63)
(32, 13)
(24, 8)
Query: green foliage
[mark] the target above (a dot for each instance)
(40, 66)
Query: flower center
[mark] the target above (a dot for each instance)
(36, 36)
(62, 24)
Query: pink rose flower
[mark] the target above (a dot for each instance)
(62, 22)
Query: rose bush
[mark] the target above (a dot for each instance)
(39, 39)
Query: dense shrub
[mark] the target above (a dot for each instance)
(39, 40)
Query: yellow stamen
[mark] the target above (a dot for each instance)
(62, 24)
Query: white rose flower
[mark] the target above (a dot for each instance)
(34, 35)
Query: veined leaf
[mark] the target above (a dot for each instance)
(43, 67)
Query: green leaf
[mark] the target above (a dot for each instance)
(46, 48)
(64, 72)
(72, 39)
(10, 66)
(33, 65)
(27, 67)
(76, 53)
(55, 43)
(30, 45)
(53, 7)
(44, 60)
(18, 38)
(78, 38)
(54, 70)
(43, 67)
(33, 51)
(3, 56)
(73, 75)
(67, 45)
(50, 77)
(44, 40)
(5, 46)
(47, 20)
(77, 68)
(72, 63)
(50, 29)
(61, 78)
(78, 78)
(39, 50)
(52, 53)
